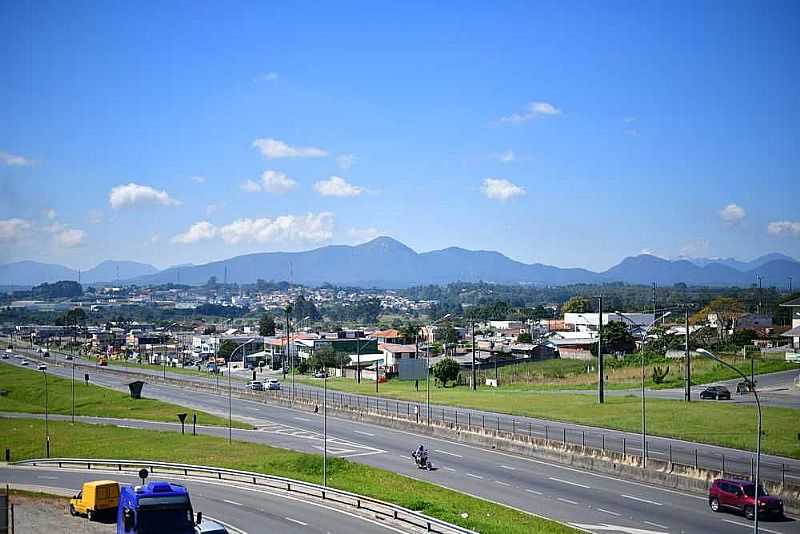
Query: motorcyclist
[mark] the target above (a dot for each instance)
(420, 454)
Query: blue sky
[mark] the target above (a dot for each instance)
(568, 133)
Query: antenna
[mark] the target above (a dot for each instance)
(225, 279)
(79, 278)
(117, 272)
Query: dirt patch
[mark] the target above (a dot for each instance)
(34, 514)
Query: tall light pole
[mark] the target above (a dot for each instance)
(641, 353)
(687, 393)
(73, 391)
(600, 370)
(428, 362)
(474, 384)
(707, 353)
(230, 388)
(325, 427)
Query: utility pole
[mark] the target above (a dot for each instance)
(759, 295)
(600, 370)
(790, 284)
(687, 394)
(654, 300)
(474, 384)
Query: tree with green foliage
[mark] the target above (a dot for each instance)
(445, 370)
(266, 326)
(305, 308)
(576, 304)
(725, 308)
(524, 337)
(409, 332)
(617, 338)
(226, 348)
(446, 333)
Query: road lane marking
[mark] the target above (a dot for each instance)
(534, 491)
(567, 501)
(296, 521)
(232, 502)
(750, 526)
(656, 525)
(615, 514)
(448, 453)
(503, 483)
(47, 478)
(570, 483)
(474, 476)
(641, 500)
(450, 469)
(303, 419)
(508, 467)
(364, 433)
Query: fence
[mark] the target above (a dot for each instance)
(306, 489)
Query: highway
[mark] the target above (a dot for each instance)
(594, 501)
(246, 509)
(689, 453)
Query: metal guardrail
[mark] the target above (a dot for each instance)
(375, 506)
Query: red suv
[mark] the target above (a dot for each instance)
(740, 495)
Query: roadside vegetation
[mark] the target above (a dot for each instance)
(24, 437)
(718, 423)
(23, 390)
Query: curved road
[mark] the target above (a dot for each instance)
(594, 501)
(248, 510)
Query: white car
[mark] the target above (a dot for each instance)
(24, 362)
(274, 384)
(42, 367)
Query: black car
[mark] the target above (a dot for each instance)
(716, 392)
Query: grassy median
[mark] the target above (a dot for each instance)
(714, 422)
(22, 390)
(24, 437)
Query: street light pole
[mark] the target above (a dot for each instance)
(600, 370)
(428, 362)
(46, 410)
(73, 391)
(758, 440)
(325, 428)
(230, 388)
(474, 384)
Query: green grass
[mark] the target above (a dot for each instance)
(25, 438)
(24, 392)
(717, 423)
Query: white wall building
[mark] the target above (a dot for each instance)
(591, 321)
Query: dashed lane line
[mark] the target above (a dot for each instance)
(232, 502)
(631, 497)
(567, 501)
(448, 453)
(475, 476)
(609, 512)
(569, 482)
(502, 483)
(657, 525)
(296, 521)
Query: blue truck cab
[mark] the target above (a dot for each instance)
(155, 508)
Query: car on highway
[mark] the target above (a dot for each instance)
(24, 362)
(68, 357)
(321, 374)
(255, 385)
(5, 356)
(42, 367)
(739, 495)
(273, 384)
(9, 350)
(95, 497)
(716, 392)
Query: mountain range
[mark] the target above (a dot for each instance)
(387, 263)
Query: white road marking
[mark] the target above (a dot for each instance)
(364, 433)
(448, 453)
(656, 525)
(508, 467)
(296, 521)
(47, 478)
(615, 528)
(750, 526)
(232, 502)
(534, 491)
(641, 500)
(502, 483)
(303, 419)
(450, 469)
(615, 514)
(570, 483)
(567, 501)
(474, 476)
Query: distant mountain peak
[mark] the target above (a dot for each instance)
(386, 243)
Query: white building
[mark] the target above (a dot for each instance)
(591, 321)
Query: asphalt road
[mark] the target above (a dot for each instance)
(593, 501)
(733, 461)
(247, 509)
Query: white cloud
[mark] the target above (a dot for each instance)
(345, 161)
(277, 182)
(336, 186)
(199, 231)
(501, 189)
(695, 248)
(532, 111)
(155, 238)
(70, 238)
(198, 179)
(309, 228)
(266, 77)
(212, 208)
(250, 186)
(51, 214)
(362, 235)
(14, 160)
(13, 229)
(506, 156)
(130, 194)
(54, 228)
(732, 213)
(790, 228)
(275, 149)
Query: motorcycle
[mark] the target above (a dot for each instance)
(421, 460)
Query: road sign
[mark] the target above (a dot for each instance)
(413, 369)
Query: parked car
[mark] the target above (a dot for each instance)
(716, 392)
(42, 367)
(321, 374)
(274, 384)
(739, 495)
(255, 385)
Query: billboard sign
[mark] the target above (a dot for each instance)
(412, 369)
